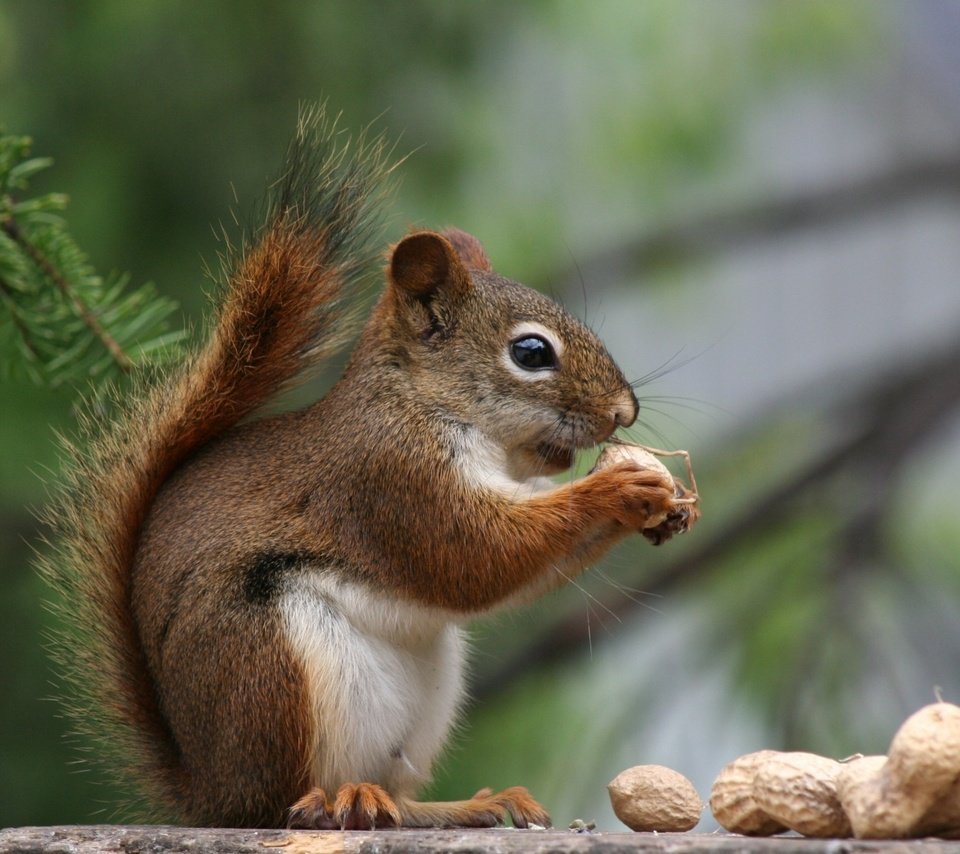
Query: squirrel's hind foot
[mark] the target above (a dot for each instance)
(367, 806)
(312, 812)
(357, 806)
(485, 809)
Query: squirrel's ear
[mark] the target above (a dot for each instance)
(469, 249)
(425, 262)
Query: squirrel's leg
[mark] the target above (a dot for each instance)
(572, 526)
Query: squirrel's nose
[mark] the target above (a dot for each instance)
(625, 410)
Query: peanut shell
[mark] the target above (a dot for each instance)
(943, 817)
(732, 801)
(925, 752)
(613, 454)
(652, 797)
(923, 763)
(861, 795)
(799, 790)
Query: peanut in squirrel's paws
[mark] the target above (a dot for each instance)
(360, 806)
(655, 502)
(642, 498)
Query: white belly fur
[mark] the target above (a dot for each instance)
(385, 679)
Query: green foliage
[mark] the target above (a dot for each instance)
(61, 322)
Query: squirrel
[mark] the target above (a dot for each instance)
(267, 612)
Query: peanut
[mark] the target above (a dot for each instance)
(613, 454)
(651, 797)
(913, 792)
(686, 501)
(858, 795)
(889, 800)
(799, 790)
(943, 817)
(732, 801)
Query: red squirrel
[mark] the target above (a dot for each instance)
(267, 612)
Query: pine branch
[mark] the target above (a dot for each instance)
(124, 362)
(7, 293)
(66, 323)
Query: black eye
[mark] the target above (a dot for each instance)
(533, 353)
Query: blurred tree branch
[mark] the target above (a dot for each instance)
(882, 424)
(729, 228)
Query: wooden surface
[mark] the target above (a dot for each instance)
(137, 839)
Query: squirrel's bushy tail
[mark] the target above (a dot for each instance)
(281, 313)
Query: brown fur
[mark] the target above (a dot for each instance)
(470, 250)
(376, 483)
(279, 316)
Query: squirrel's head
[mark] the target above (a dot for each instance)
(498, 356)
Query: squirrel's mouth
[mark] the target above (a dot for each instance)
(557, 458)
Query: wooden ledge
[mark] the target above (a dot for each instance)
(160, 839)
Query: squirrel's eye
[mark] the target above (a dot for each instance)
(533, 353)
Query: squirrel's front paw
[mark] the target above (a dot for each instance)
(646, 498)
(679, 519)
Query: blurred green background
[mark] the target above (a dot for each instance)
(755, 202)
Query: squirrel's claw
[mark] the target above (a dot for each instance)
(679, 519)
(524, 810)
(357, 806)
(312, 812)
(364, 806)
